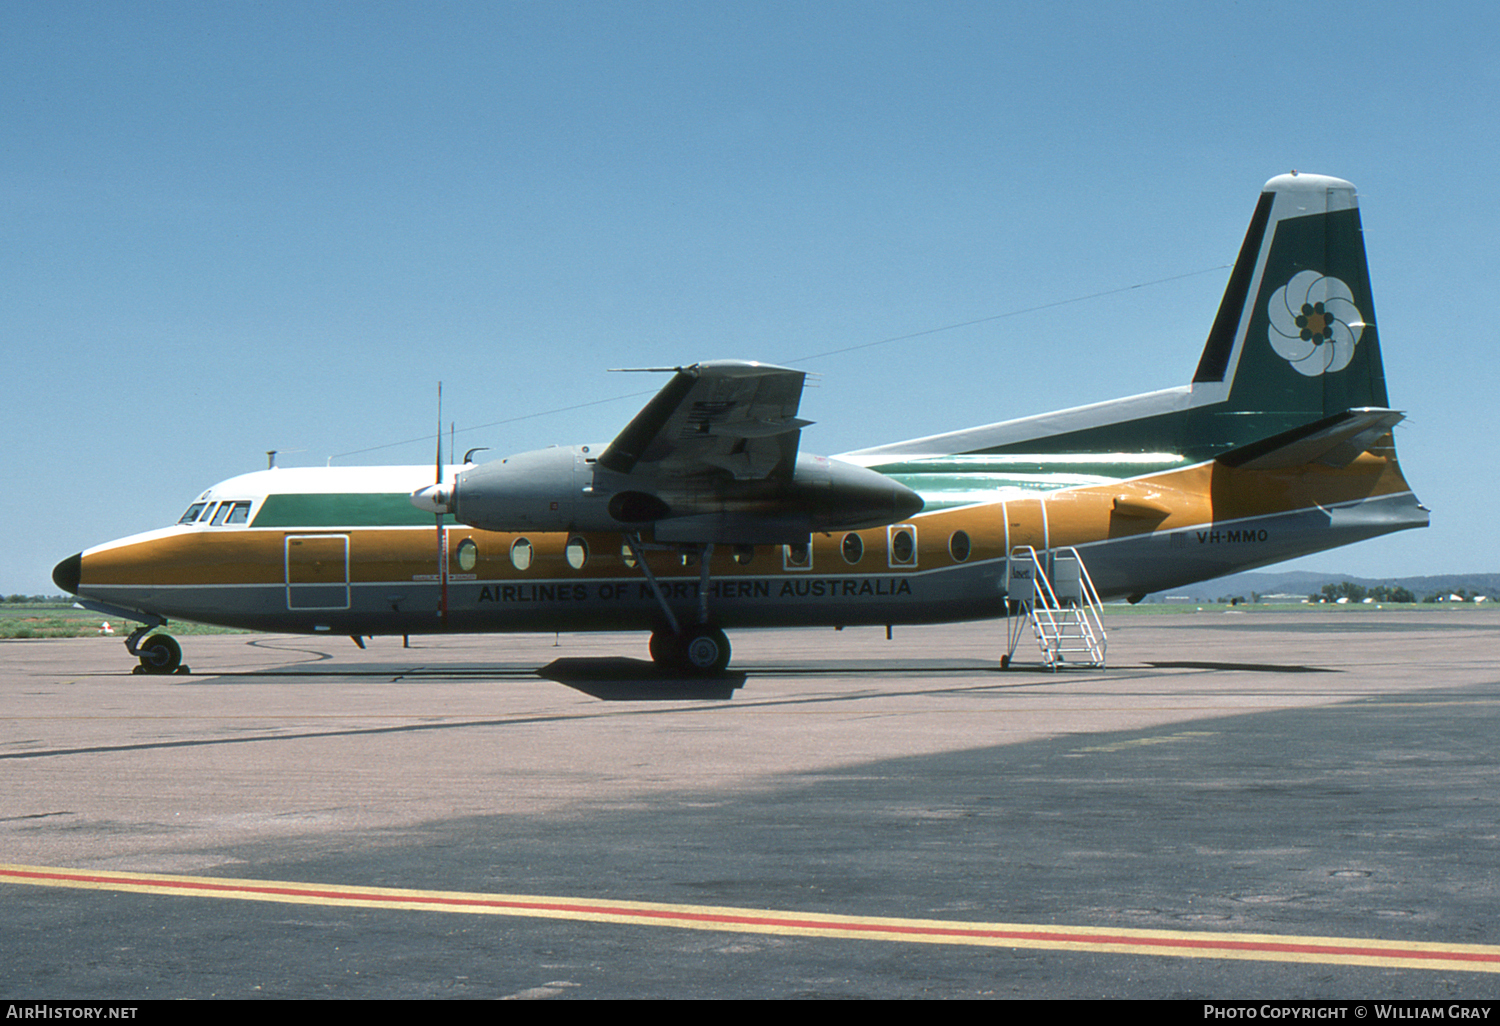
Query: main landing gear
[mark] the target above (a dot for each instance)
(159, 653)
(699, 651)
(696, 650)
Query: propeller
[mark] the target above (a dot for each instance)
(440, 506)
(436, 498)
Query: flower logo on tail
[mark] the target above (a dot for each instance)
(1314, 323)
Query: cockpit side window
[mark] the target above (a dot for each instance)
(220, 513)
(239, 513)
(192, 513)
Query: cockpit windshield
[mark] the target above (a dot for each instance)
(218, 514)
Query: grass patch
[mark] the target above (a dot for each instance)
(63, 621)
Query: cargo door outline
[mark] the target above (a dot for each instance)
(317, 571)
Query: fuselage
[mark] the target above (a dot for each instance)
(342, 550)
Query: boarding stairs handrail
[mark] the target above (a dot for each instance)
(1068, 628)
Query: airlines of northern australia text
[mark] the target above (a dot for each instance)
(612, 591)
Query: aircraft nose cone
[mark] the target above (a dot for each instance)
(67, 574)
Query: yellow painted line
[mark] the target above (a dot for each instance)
(1248, 946)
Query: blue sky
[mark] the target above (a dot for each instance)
(233, 227)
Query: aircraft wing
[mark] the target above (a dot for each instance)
(723, 416)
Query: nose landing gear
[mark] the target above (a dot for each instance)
(160, 653)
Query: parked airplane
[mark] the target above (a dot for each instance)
(702, 514)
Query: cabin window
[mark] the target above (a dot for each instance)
(743, 554)
(468, 555)
(577, 552)
(797, 556)
(520, 554)
(903, 546)
(239, 513)
(192, 513)
(958, 546)
(627, 557)
(853, 548)
(689, 558)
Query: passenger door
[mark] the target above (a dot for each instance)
(317, 571)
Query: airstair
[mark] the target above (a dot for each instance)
(1051, 594)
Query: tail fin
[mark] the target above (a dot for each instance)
(1294, 344)
(1295, 340)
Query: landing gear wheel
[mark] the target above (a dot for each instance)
(160, 653)
(703, 651)
(700, 651)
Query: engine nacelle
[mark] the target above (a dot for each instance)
(563, 489)
(545, 490)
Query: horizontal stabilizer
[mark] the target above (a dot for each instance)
(1333, 441)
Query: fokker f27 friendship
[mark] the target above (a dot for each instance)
(703, 514)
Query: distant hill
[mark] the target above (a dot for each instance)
(1305, 582)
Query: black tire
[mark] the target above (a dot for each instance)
(664, 651)
(160, 653)
(703, 651)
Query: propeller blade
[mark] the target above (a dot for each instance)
(438, 469)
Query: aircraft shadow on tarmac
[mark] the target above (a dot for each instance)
(616, 679)
(621, 679)
(608, 679)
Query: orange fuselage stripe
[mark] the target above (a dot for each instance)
(1193, 496)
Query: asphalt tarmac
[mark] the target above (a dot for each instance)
(1256, 806)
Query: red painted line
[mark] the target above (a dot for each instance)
(1148, 942)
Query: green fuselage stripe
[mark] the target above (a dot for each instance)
(343, 509)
